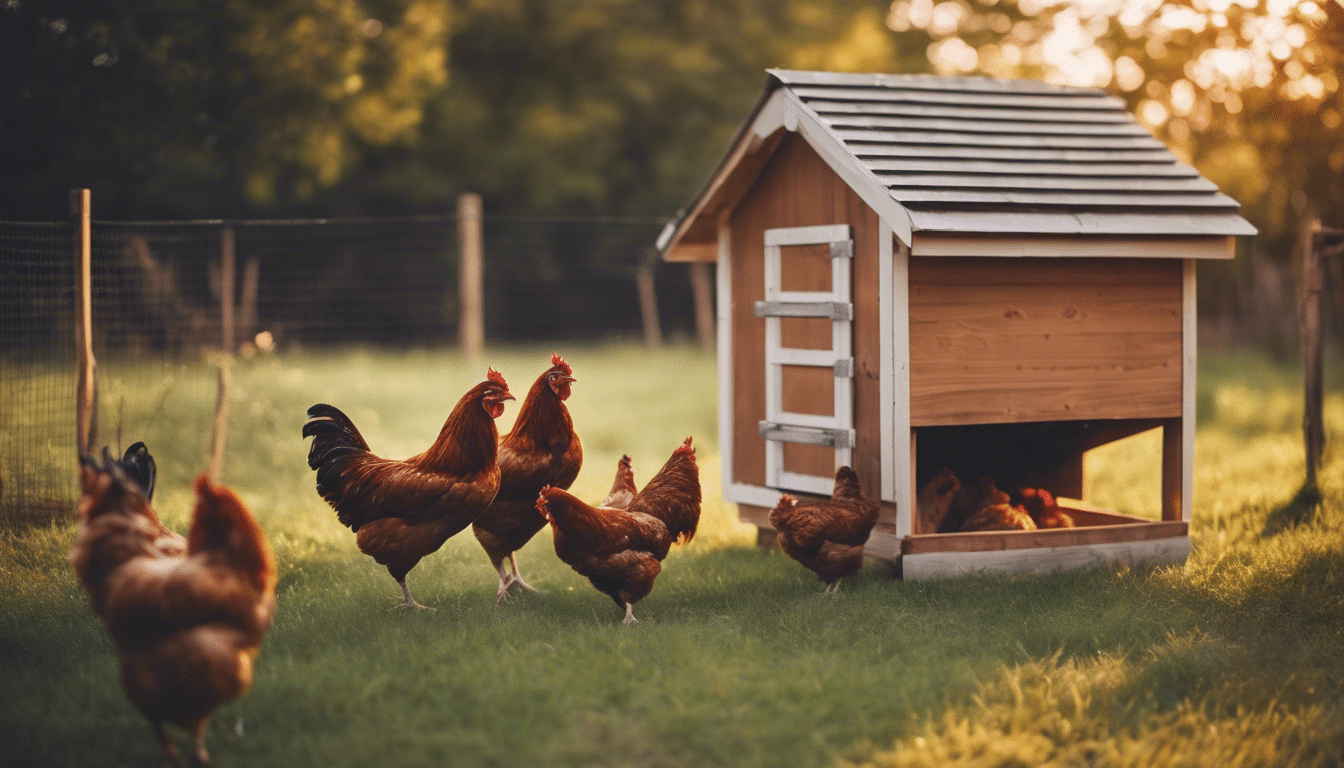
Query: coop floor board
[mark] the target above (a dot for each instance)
(1143, 554)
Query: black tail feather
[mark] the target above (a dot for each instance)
(139, 466)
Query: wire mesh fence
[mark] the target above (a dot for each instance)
(158, 324)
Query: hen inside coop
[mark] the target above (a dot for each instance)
(1021, 477)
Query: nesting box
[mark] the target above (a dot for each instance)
(994, 276)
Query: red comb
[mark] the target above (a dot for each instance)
(557, 360)
(493, 375)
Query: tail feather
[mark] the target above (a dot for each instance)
(222, 525)
(334, 438)
(139, 466)
(673, 495)
(623, 490)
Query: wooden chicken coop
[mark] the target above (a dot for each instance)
(994, 276)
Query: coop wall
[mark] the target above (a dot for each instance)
(797, 189)
(996, 340)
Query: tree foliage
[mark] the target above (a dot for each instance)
(1246, 90)
(168, 108)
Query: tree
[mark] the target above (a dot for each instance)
(171, 108)
(1246, 90)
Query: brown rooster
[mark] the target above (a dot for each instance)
(540, 450)
(621, 551)
(402, 511)
(187, 627)
(827, 535)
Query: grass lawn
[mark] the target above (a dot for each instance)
(1234, 659)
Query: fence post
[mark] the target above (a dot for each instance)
(648, 306)
(86, 387)
(704, 305)
(471, 283)
(1315, 243)
(227, 341)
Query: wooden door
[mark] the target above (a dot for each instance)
(809, 363)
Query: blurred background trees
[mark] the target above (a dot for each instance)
(621, 107)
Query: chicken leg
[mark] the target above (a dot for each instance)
(407, 600)
(507, 579)
(630, 614)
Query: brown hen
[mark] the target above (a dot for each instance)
(187, 626)
(541, 450)
(827, 535)
(620, 550)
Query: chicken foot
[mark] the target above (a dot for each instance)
(407, 600)
(507, 580)
(832, 589)
(171, 757)
(630, 614)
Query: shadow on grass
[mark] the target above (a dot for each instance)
(1299, 510)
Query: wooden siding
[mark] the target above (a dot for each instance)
(1022, 340)
(796, 189)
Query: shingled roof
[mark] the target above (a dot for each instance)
(979, 155)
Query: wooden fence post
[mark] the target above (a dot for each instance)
(247, 302)
(86, 387)
(1315, 243)
(228, 340)
(704, 305)
(648, 306)
(471, 278)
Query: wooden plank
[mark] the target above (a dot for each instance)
(1080, 184)
(1155, 156)
(1059, 358)
(1086, 222)
(693, 252)
(1144, 553)
(909, 108)
(1027, 401)
(805, 268)
(1025, 315)
(1107, 247)
(915, 95)
(1073, 199)
(814, 235)
(1189, 324)
(808, 390)
(1042, 275)
(984, 541)
(949, 139)
(805, 332)
(1172, 455)
(1006, 167)
(979, 127)
(723, 329)
(812, 460)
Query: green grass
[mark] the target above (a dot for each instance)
(1235, 658)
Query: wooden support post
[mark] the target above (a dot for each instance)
(648, 306)
(704, 304)
(1173, 452)
(86, 391)
(228, 340)
(471, 277)
(1309, 317)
